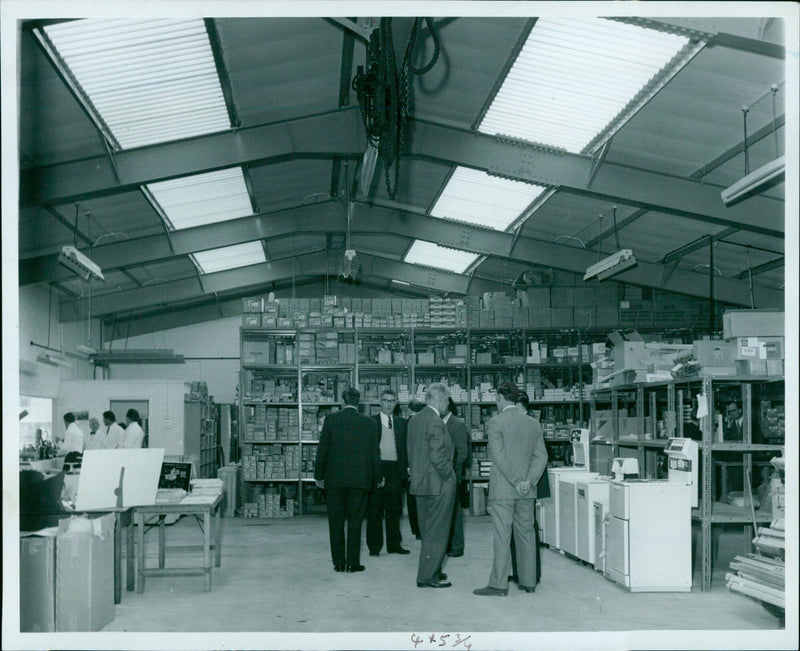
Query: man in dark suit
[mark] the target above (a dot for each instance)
(519, 458)
(347, 467)
(433, 483)
(387, 502)
(457, 429)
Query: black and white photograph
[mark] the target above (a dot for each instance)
(400, 325)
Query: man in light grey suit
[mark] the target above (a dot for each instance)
(433, 483)
(519, 457)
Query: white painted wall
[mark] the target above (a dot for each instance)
(165, 399)
(208, 340)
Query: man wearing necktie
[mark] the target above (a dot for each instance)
(386, 502)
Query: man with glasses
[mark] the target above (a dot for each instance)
(386, 502)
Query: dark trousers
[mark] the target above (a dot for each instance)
(435, 513)
(455, 543)
(385, 503)
(413, 519)
(346, 505)
(538, 555)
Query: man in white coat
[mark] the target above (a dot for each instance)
(519, 457)
(133, 435)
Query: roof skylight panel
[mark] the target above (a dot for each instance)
(230, 257)
(203, 198)
(149, 81)
(573, 77)
(476, 197)
(441, 257)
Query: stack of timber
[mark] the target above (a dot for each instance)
(762, 575)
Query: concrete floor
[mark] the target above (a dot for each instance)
(276, 576)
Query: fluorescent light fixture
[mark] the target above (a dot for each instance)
(148, 81)
(230, 257)
(54, 359)
(441, 257)
(755, 182)
(79, 263)
(401, 282)
(611, 266)
(574, 77)
(475, 197)
(203, 198)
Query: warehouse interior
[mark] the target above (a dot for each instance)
(588, 179)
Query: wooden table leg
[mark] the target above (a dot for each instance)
(140, 553)
(207, 548)
(117, 557)
(130, 574)
(218, 536)
(161, 541)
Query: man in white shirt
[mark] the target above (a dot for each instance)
(94, 440)
(133, 435)
(110, 435)
(73, 439)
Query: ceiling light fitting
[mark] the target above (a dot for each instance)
(611, 266)
(755, 182)
(79, 263)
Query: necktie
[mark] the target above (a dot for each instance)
(389, 420)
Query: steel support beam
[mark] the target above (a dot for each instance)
(697, 29)
(613, 229)
(338, 133)
(484, 242)
(322, 263)
(777, 263)
(613, 183)
(341, 134)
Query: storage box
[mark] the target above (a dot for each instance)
(37, 581)
(753, 323)
(759, 347)
(749, 367)
(251, 320)
(712, 352)
(85, 573)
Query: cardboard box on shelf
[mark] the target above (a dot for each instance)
(85, 573)
(759, 347)
(37, 581)
(753, 323)
(713, 352)
(749, 367)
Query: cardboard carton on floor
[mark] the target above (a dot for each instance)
(85, 573)
(37, 581)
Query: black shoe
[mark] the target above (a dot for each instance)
(374, 553)
(527, 588)
(397, 550)
(417, 536)
(456, 554)
(339, 568)
(513, 578)
(433, 584)
(442, 576)
(356, 568)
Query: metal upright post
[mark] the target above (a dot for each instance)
(706, 503)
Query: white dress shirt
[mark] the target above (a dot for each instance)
(73, 439)
(132, 436)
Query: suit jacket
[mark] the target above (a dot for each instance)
(457, 429)
(348, 455)
(517, 451)
(400, 426)
(430, 453)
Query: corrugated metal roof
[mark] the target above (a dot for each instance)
(441, 257)
(203, 198)
(230, 257)
(475, 197)
(149, 80)
(573, 77)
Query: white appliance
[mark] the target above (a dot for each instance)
(648, 536)
(551, 506)
(588, 493)
(683, 456)
(625, 468)
(600, 513)
(580, 447)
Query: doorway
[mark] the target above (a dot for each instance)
(120, 408)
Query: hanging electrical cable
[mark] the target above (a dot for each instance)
(383, 92)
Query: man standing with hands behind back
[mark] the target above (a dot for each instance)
(347, 467)
(387, 502)
(519, 457)
(433, 483)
